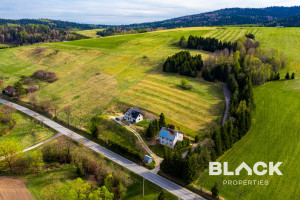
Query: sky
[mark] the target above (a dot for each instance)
(117, 12)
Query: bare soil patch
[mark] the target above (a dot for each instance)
(14, 188)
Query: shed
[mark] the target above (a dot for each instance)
(148, 159)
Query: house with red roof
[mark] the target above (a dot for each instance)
(9, 90)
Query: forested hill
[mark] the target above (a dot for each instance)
(53, 24)
(293, 21)
(13, 34)
(228, 16)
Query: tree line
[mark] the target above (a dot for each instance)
(261, 65)
(31, 33)
(106, 184)
(184, 64)
(209, 44)
(116, 30)
(53, 24)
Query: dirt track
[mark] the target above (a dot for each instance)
(14, 189)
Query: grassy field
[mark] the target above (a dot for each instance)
(273, 136)
(27, 133)
(95, 73)
(90, 33)
(4, 45)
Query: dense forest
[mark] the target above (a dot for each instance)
(31, 33)
(209, 44)
(53, 24)
(293, 21)
(118, 30)
(184, 64)
(228, 16)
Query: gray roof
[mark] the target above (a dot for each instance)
(134, 112)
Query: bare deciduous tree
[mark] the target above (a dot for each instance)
(67, 110)
(55, 105)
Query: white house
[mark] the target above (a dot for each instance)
(169, 137)
(133, 115)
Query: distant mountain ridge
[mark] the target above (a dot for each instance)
(227, 16)
(269, 16)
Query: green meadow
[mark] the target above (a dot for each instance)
(28, 133)
(90, 33)
(274, 134)
(273, 137)
(95, 73)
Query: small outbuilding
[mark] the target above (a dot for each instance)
(148, 159)
(9, 90)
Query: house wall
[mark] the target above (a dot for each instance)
(130, 119)
(167, 142)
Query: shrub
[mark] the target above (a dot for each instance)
(197, 138)
(32, 88)
(45, 75)
(251, 36)
(185, 84)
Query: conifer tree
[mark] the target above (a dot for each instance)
(218, 142)
(293, 75)
(162, 122)
(191, 170)
(287, 76)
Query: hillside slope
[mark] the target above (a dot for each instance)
(228, 16)
(274, 134)
(95, 73)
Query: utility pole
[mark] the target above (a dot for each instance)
(143, 187)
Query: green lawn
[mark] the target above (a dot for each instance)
(27, 133)
(158, 150)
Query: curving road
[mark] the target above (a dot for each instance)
(226, 93)
(175, 189)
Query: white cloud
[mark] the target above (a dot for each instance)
(121, 11)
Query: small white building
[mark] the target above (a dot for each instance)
(169, 137)
(133, 115)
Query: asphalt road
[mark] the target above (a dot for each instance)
(175, 189)
(226, 93)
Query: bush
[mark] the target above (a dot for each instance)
(125, 150)
(185, 84)
(197, 138)
(45, 75)
(32, 88)
(251, 36)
